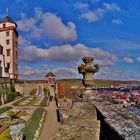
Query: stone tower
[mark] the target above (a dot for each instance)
(9, 48)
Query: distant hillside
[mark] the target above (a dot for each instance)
(78, 82)
(98, 82)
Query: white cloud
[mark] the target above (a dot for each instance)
(23, 42)
(98, 13)
(72, 73)
(80, 5)
(111, 7)
(47, 24)
(93, 16)
(67, 53)
(128, 60)
(138, 59)
(117, 21)
(56, 29)
(28, 71)
(60, 72)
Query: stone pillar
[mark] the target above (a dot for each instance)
(88, 70)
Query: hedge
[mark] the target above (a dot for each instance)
(46, 91)
(33, 124)
(2, 110)
(45, 102)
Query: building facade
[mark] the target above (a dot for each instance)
(50, 79)
(8, 49)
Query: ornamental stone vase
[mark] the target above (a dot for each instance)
(88, 70)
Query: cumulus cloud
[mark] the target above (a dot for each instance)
(67, 53)
(47, 24)
(29, 71)
(93, 16)
(60, 72)
(111, 6)
(98, 13)
(72, 72)
(56, 29)
(128, 60)
(23, 41)
(117, 21)
(138, 59)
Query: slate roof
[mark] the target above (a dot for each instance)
(8, 19)
(49, 74)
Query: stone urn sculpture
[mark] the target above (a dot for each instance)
(88, 70)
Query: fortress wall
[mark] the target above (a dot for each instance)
(107, 132)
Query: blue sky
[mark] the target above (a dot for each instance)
(55, 35)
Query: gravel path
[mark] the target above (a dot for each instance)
(50, 125)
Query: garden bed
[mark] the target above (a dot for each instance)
(5, 135)
(19, 101)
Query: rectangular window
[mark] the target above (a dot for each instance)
(8, 65)
(7, 33)
(4, 25)
(7, 42)
(8, 52)
(7, 68)
(1, 50)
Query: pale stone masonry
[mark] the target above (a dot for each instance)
(8, 49)
(81, 123)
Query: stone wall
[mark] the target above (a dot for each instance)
(81, 123)
(107, 132)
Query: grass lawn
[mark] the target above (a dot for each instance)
(5, 135)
